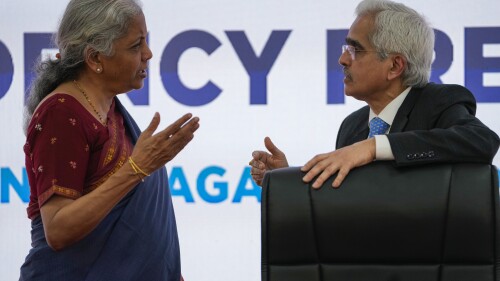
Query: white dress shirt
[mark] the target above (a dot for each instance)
(383, 149)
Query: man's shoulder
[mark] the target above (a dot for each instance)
(438, 97)
(447, 93)
(433, 89)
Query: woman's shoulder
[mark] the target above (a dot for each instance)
(58, 109)
(57, 103)
(59, 98)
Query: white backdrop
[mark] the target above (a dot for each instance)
(221, 240)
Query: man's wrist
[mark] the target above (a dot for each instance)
(383, 149)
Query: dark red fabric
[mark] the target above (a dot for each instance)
(69, 152)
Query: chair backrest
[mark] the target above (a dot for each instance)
(435, 222)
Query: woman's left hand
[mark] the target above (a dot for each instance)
(153, 151)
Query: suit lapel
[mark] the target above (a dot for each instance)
(361, 134)
(404, 110)
(361, 129)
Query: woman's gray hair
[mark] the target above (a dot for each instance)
(400, 29)
(87, 25)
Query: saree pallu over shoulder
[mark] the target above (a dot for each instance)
(136, 241)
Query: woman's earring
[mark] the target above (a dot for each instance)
(98, 70)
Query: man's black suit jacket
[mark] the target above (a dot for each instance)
(434, 124)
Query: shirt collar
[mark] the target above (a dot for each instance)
(389, 112)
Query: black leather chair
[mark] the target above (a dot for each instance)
(436, 222)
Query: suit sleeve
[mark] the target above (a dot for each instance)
(443, 128)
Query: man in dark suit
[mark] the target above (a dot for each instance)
(387, 60)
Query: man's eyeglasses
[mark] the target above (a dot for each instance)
(352, 51)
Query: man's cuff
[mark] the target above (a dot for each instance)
(383, 149)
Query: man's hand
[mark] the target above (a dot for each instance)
(342, 161)
(263, 161)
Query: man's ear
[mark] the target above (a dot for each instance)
(93, 60)
(398, 66)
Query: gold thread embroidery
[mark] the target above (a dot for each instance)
(112, 148)
(119, 164)
(56, 189)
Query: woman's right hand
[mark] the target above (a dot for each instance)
(153, 151)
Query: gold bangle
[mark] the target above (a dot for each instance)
(138, 171)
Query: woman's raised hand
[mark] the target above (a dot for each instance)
(153, 151)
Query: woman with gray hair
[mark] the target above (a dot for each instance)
(100, 204)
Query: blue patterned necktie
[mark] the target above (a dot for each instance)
(377, 127)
